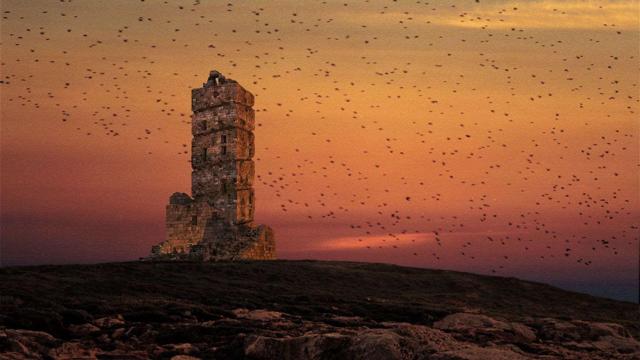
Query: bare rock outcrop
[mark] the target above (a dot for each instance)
(267, 334)
(484, 329)
(300, 310)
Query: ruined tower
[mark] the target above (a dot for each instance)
(216, 223)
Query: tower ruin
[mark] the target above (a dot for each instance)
(216, 222)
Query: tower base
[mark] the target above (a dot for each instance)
(196, 232)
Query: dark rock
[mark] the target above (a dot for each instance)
(83, 330)
(109, 321)
(483, 329)
(180, 198)
(366, 311)
(76, 316)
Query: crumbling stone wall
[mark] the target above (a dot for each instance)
(217, 223)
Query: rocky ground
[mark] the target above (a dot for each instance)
(300, 310)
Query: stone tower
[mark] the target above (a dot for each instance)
(216, 223)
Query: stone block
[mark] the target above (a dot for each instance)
(223, 117)
(218, 95)
(218, 179)
(226, 145)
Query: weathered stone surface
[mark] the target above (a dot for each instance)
(25, 344)
(216, 222)
(587, 336)
(184, 357)
(470, 352)
(387, 341)
(263, 315)
(107, 322)
(74, 350)
(232, 115)
(225, 145)
(84, 329)
(219, 95)
(222, 177)
(485, 329)
(180, 199)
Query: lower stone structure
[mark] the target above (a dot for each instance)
(195, 231)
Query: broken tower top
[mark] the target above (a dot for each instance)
(215, 79)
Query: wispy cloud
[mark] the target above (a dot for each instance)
(375, 241)
(550, 14)
(535, 14)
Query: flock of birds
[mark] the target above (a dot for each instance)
(374, 117)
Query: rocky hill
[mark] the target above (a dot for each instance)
(300, 310)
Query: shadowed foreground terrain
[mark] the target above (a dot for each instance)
(300, 310)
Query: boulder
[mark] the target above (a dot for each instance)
(587, 336)
(472, 352)
(26, 344)
(109, 321)
(482, 328)
(73, 350)
(260, 315)
(393, 341)
(311, 346)
(83, 330)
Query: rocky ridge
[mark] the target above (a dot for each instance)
(265, 334)
(300, 310)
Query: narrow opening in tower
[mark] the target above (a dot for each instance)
(194, 220)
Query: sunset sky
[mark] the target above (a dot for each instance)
(497, 137)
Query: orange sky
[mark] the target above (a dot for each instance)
(508, 128)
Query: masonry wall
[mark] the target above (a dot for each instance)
(212, 182)
(264, 246)
(230, 115)
(226, 92)
(222, 148)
